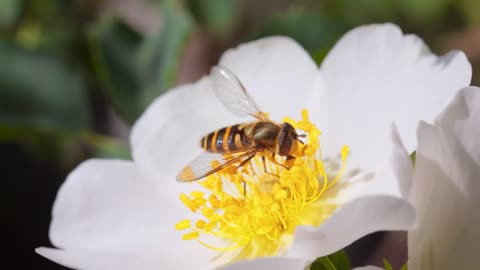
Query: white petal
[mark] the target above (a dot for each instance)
(376, 75)
(447, 188)
(167, 135)
(461, 122)
(372, 205)
(99, 260)
(269, 263)
(401, 164)
(351, 222)
(277, 72)
(105, 207)
(394, 178)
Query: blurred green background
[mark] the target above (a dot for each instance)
(74, 75)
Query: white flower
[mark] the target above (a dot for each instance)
(446, 188)
(116, 215)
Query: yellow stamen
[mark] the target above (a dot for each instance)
(200, 224)
(182, 225)
(262, 222)
(191, 236)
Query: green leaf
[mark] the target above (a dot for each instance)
(367, 11)
(160, 54)
(113, 150)
(425, 12)
(9, 13)
(113, 48)
(107, 147)
(52, 25)
(336, 261)
(404, 267)
(40, 92)
(220, 17)
(387, 265)
(316, 33)
(469, 11)
(134, 70)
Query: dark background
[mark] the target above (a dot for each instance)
(74, 75)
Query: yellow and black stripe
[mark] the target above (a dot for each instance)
(225, 140)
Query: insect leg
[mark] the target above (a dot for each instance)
(245, 183)
(265, 165)
(275, 161)
(288, 159)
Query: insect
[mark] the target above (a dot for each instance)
(239, 143)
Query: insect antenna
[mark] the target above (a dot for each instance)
(301, 136)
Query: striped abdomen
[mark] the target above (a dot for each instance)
(227, 139)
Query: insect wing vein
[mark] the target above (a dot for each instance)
(209, 163)
(230, 91)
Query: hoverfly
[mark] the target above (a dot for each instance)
(239, 143)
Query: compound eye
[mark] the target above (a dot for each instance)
(285, 142)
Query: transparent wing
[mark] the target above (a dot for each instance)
(209, 163)
(230, 91)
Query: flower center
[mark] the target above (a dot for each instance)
(254, 213)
